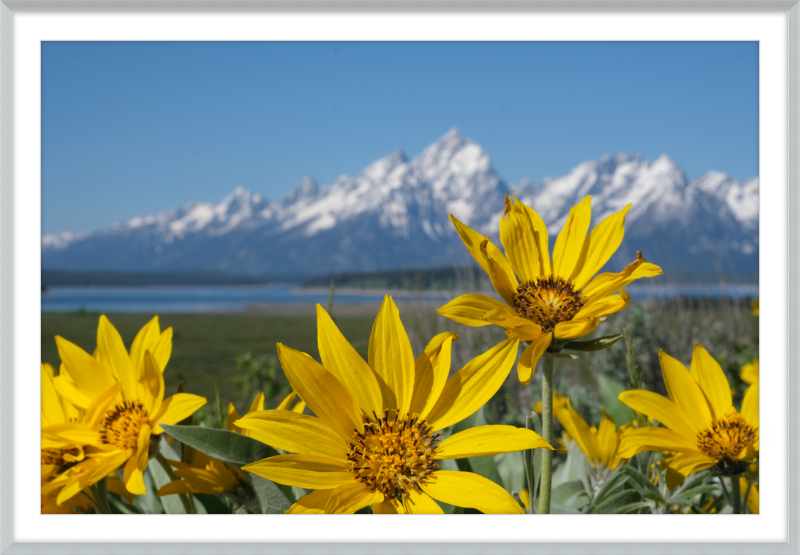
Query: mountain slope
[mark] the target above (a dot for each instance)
(395, 214)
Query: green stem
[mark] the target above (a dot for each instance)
(100, 497)
(737, 495)
(547, 434)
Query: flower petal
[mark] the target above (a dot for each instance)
(152, 384)
(600, 245)
(473, 385)
(542, 237)
(97, 408)
(662, 409)
(607, 439)
(326, 396)
(473, 240)
(342, 360)
(303, 471)
(569, 243)
(417, 502)
(388, 507)
(489, 440)
(258, 402)
(654, 439)
(391, 357)
(231, 418)
(578, 430)
(176, 408)
(470, 309)
(312, 504)
(709, 375)
(112, 353)
(431, 370)
(750, 405)
(88, 374)
(605, 306)
(286, 404)
(520, 241)
(293, 432)
(348, 498)
(163, 349)
(465, 489)
(684, 391)
(146, 339)
(530, 357)
(52, 409)
(504, 282)
(607, 284)
(573, 329)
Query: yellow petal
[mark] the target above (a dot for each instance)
(89, 375)
(662, 409)
(430, 373)
(52, 410)
(684, 391)
(683, 464)
(473, 240)
(749, 373)
(530, 357)
(605, 306)
(752, 497)
(300, 407)
(176, 408)
(286, 403)
(573, 329)
(303, 471)
(607, 284)
(232, 417)
(348, 498)
(134, 480)
(326, 396)
(569, 243)
(391, 357)
(98, 407)
(709, 375)
(143, 447)
(342, 360)
(73, 433)
(750, 405)
(470, 309)
(542, 237)
(472, 386)
(600, 245)
(312, 504)
(258, 403)
(514, 324)
(187, 486)
(163, 349)
(296, 433)
(503, 280)
(489, 440)
(112, 353)
(579, 430)
(520, 241)
(145, 340)
(465, 489)
(388, 507)
(654, 439)
(607, 439)
(152, 381)
(417, 502)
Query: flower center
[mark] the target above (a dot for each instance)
(394, 453)
(726, 438)
(548, 301)
(56, 457)
(121, 425)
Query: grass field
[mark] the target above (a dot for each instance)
(205, 346)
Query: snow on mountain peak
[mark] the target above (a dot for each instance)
(383, 167)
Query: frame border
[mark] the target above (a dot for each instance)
(790, 8)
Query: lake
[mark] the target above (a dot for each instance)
(239, 298)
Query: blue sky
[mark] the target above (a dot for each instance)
(134, 128)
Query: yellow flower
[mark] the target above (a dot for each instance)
(551, 303)
(559, 401)
(749, 373)
(525, 497)
(752, 497)
(703, 429)
(374, 441)
(131, 386)
(601, 446)
(209, 475)
(754, 304)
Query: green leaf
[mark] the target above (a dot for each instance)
(612, 500)
(569, 494)
(593, 344)
(615, 482)
(161, 476)
(609, 394)
(533, 462)
(644, 482)
(212, 503)
(272, 499)
(630, 507)
(560, 355)
(230, 447)
(150, 503)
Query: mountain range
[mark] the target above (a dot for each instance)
(394, 214)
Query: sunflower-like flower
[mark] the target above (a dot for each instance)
(123, 396)
(547, 304)
(703, 429)
(375, 440)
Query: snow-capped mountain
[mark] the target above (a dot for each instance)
(394, 215)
